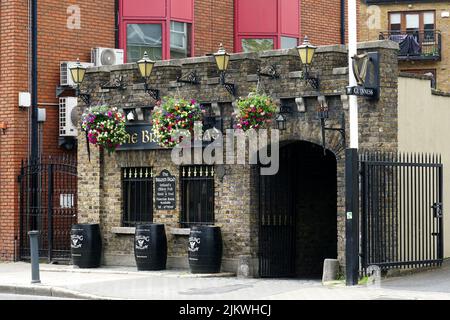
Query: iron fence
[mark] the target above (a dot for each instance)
(48, 204)
(401, 210)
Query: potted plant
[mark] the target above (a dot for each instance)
(172, 115)
(254, 111)
(105, 127)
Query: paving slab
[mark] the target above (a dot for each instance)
(123, 283)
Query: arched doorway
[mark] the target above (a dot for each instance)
(298, 213)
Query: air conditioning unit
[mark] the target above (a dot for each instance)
(65, 76)
(106, 56)
(67, 117)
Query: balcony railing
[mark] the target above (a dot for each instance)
(416, 45)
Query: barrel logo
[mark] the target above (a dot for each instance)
(76, 241)
(142, 242)
(194, 244)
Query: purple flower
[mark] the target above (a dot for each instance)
(109, 114)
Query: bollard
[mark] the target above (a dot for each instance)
(34, 250)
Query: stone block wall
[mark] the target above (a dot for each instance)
(236, 189)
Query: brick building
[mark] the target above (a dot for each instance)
(421, 27)
(309, 231)
(69, 29)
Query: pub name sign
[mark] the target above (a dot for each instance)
(140, 137)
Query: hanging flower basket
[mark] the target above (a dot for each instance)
(173, 115)
(105, 127)
(255, 112)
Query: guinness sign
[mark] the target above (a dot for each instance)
(366, 68)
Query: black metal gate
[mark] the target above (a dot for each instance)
(277, 221)
(401, 206)
(48, 203)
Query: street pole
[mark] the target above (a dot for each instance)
(351, 162)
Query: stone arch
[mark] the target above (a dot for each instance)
(310, 133)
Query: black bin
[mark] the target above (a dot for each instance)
(205, 249)
(86, 245)
(150, 247)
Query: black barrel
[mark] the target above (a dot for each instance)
(205, 249)
(150, 247)
(86, 245)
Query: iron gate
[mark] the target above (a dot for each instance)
(401, 206)
(48, 203)
(277, 222)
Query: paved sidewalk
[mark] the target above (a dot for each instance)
(126, 283)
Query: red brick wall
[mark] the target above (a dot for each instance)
(59, 43)
(210, 30)
(56, 43)
(13, 144)
(320, 21)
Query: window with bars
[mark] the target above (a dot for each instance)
(197, 184)
(137, 188)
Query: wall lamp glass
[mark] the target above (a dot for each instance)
(281, 122)
(145, 66)
(78, 71)
(306, 51)
(222, 61)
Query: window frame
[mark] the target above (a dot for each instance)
(165, 29)
(125, 188)
(124, 34)
(185, 222)
(403, 19)
(265, 37)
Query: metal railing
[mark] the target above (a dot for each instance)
(401, 209)
(197, 194)
(137, 189)
(416, 45)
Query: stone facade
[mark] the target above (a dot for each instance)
(236, 188)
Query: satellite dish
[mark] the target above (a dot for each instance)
(108, 57)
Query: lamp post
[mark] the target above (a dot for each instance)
(78, 71)
(306, 52)
(351, 162)
(222, 59)
(145, 66)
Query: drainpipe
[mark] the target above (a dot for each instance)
(342, 21)
(34, 79)
(34, 108)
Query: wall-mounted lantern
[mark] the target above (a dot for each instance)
(222, 61)
(145, 66)
(306, 51)
(323, 116)
(281, 122)
(78, 71)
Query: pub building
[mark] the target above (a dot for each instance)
(281, 225)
